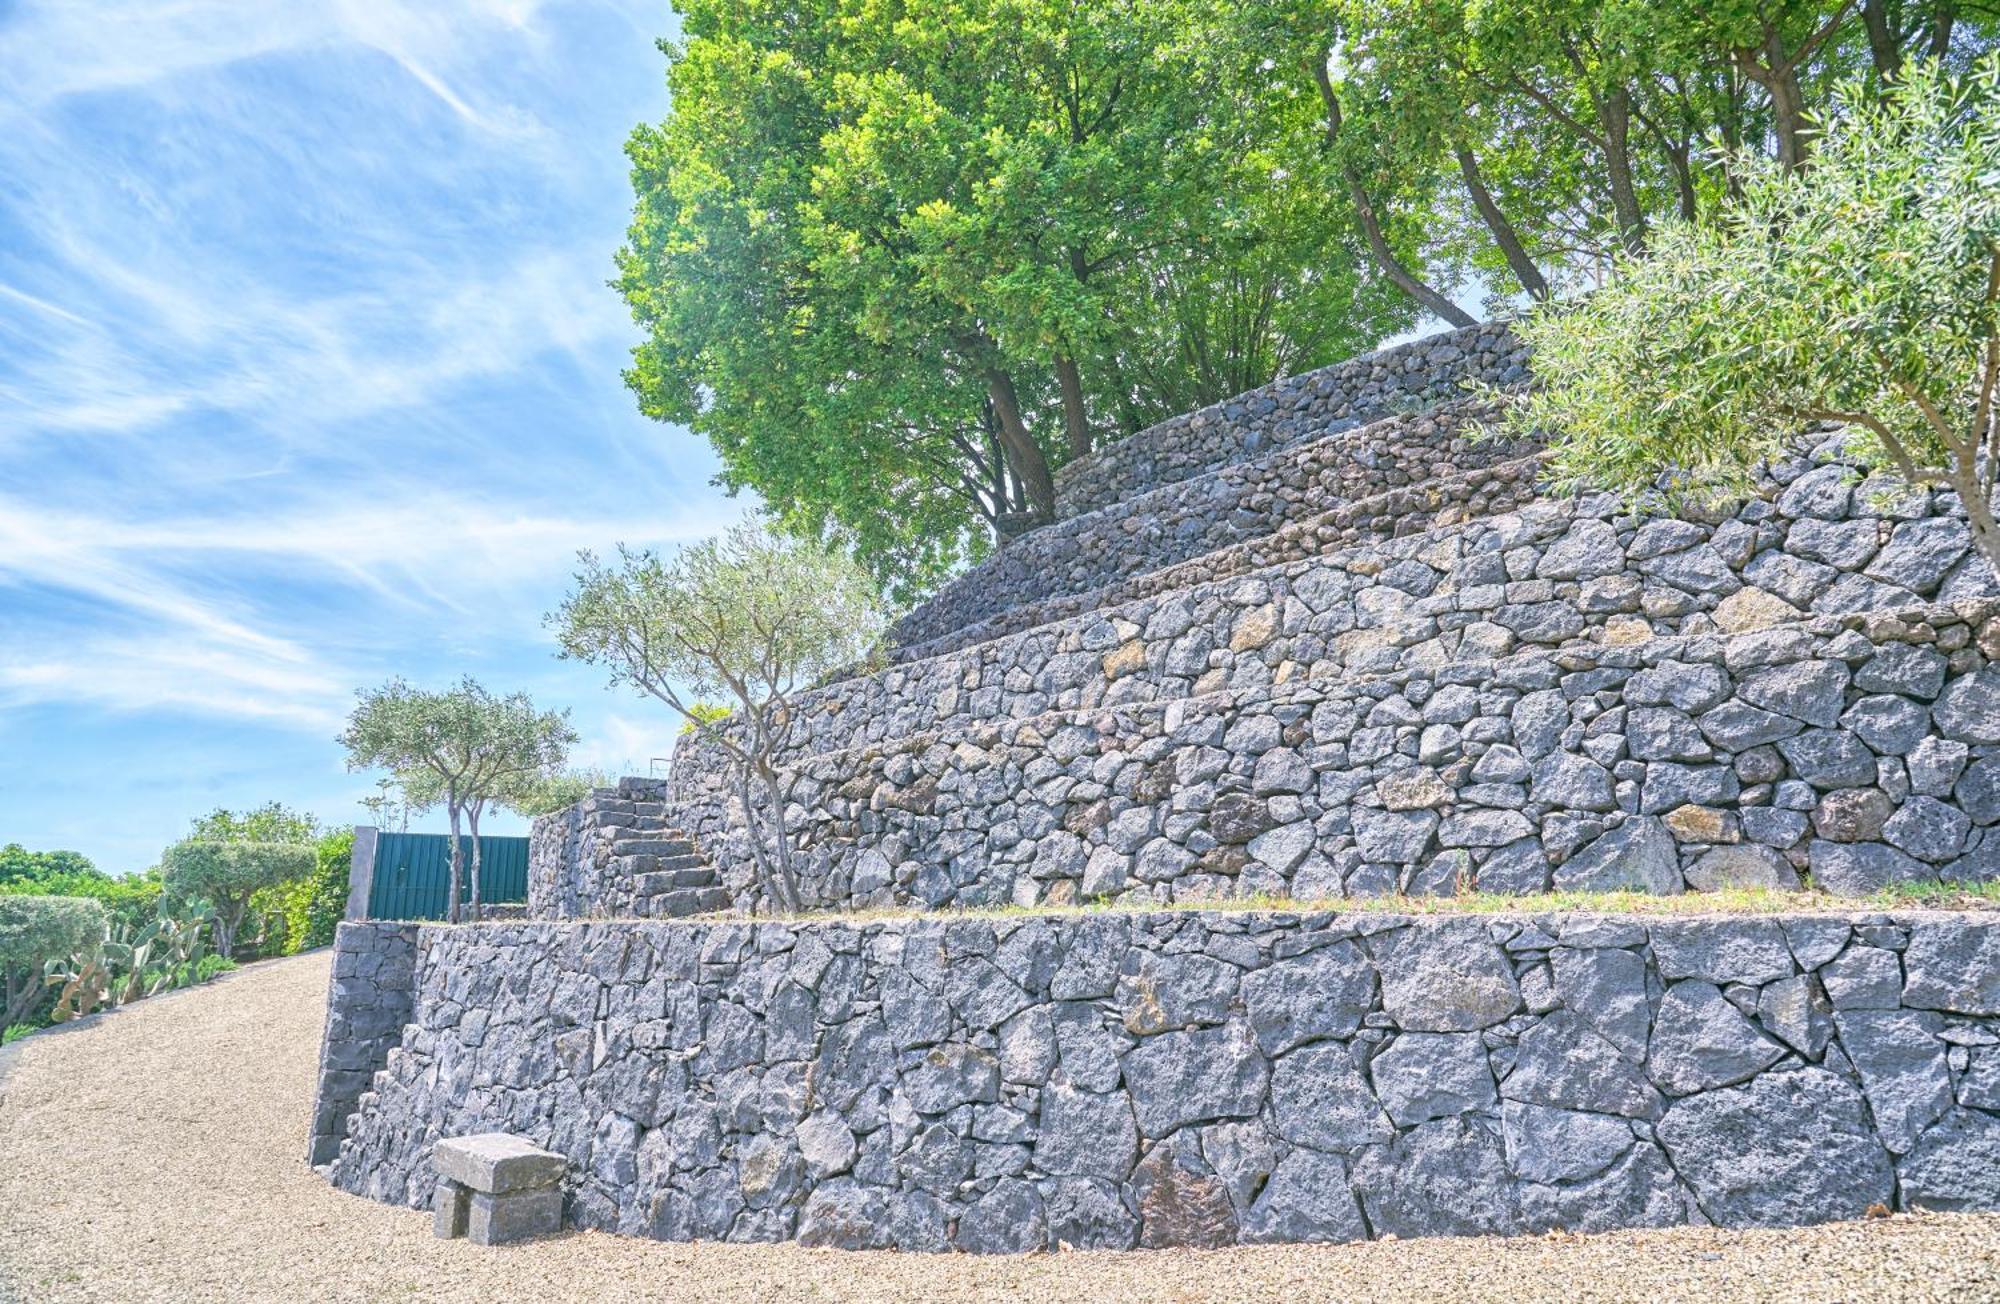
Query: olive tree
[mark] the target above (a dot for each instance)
(750, 616)
(35, 930)
(464, 748)
(1861, 291)
(226, 874)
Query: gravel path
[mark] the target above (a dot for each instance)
(156, 1155)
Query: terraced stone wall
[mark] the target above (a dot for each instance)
(1193, 517)
(1200, 1079)
(1864, 749)
(1317, 403)
(1819, 539)
(367, 1006)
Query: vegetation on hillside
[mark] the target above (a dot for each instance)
(1864, 290)
(897, 262)
(750, 616)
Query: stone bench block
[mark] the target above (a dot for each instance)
(520, 1216)
(498, 1163)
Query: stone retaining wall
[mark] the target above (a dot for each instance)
(1295, 408)
(1863, 749)
(1553, 575)
(1202, 1079)
(1197, 516)
(367, 1005)
(1396, 513)
(1819, 538)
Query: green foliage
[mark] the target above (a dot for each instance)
(750, 614)
(703, 713)
(36, 931)
(271, 822)
(1860, 291)
(133, 899)
(18, 864)
(896, 261)
(16, 1031)
(544, 794)
(464, 748)
(227, 875)
(210, 965)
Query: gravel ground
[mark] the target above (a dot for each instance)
(156, 1155)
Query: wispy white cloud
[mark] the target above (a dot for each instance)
(308, 375)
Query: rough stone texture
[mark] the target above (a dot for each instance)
(614, 853)
(367, 1005)
(1292, 409)
(1231, 504)
(1174, 1078)
(1511, 774)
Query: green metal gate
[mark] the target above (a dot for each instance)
(413, 874)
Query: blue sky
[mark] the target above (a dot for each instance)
(308, 376)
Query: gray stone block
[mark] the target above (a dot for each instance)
(497, 1163)
(517, 1216)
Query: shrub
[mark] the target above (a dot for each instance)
(313, 906)
(228, 874)
(210, 965)
(16, 1031)
(1863, 291)
(133, 899)
(35, 930)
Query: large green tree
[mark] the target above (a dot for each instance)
(898, 262)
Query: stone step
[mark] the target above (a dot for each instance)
(673, 880)
(1560, 573)
(663, 847)
(649, 863)
(1292, 410)
(1221, 508)
(681, 904)
(1861, 750)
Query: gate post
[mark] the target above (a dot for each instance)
(361, 871)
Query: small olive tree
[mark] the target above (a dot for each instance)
(544, 794)
(1860, 291)
(35, 930)
(464, 748)
(750, 616)
(227, 874)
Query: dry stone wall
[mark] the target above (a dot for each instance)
(1820, 538)
(1291, 410)
(1863, 750)
(1203, 1079)
(368, 1003)
(1194, 517)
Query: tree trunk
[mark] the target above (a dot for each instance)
(472, 819)
(1977, 497)
(1883, 46)
(1789, 116)
(1076, 422)
(451, 889)
(1941, 22)
(1504, 235)
(1615, 114)
(1371, 226)
(1023, 453)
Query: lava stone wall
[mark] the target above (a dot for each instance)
(1201, 1079)
(367, 1005)
(1864, 750)
(1316, 403)
(1193, 517)
(1820, 539)
(574, 865)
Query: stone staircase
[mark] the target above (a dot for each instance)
(1330, 638)
(620, 856)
